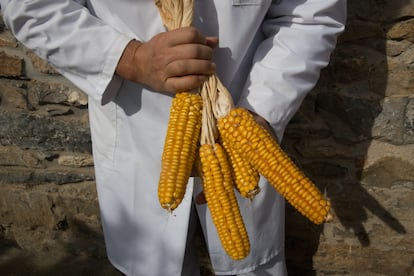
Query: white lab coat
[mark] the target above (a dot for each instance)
(269, 56)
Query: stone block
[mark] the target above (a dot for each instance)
(43, 133)
(75, 160)
(351, 63)
(40, 64)
(7, 40)
(408, 133)
(403, 30)
(395, 48)
(344, 259)
(388, 172)
(358, 29)
(380, 10)
(12, 96)
(41, 93)
(32, 177)
(324, 169)
(11, 66)
(349, 116)
(388, 125)
(15, 156)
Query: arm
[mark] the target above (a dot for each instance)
(80, 46)
(177, 60)
(96, 57)
(300, 38)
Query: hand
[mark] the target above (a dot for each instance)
(173, 61)
(265, 124)
(200, 199)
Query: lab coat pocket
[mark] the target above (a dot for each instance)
(103, 123)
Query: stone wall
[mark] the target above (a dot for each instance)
(354, 136)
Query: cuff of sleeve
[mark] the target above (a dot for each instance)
(276, 118)
(112, 89)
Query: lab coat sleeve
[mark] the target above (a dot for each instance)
(77, 44)
(300, 36)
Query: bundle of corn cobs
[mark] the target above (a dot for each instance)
(233, 150)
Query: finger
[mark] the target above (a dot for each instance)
(184, 36)
(191, 51)
(181, 68)
(200, 199)
(212, 41)
(185, 83)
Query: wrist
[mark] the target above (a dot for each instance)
(126, 67)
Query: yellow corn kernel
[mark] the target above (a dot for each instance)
(222, 202)
(267, 157)
(180, 148)
(245, 177)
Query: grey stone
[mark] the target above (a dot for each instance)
(40, 176)
(388, 172)
(389, 123)
(355, 115)
(41, 93)
(30, 131)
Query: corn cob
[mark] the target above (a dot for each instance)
(245, 177)
(222, 202)
(180, 148)
(240, 130)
